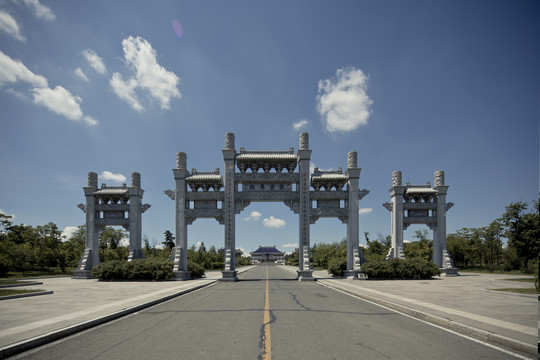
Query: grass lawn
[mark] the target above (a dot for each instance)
(528, 280)
(6, 292)
(485, 271)
(33, 274)
(14, 282)
(532, 291)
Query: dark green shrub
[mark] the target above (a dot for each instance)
(110, 270)
(337, 266)
(197, 271)
(415, 268)
(141, 269)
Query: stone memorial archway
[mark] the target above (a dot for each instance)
(107, 206)
(266, 176)
(421, 204)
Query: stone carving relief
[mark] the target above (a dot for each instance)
(181, 160)
(145, 207)
(388, 206)
(439, 178)
(352, 160)
(362, 193)
(82, 207)
(396, 178)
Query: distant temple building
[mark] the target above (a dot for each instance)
(267, 254)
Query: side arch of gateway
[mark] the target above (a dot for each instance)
(279, 176)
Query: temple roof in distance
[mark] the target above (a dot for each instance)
(267, 250)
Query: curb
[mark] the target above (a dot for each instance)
(21, 284)
(470, 331)
(18, 296)
(28, 344)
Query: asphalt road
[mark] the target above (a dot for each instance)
(304, 320)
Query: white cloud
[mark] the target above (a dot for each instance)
(12, 71)
(10, 26)
(255, 216)
(17, 94)
(343, 102)
(198, 244)
(124, 241)
(90, 121)
(69, 231)
(59, 101)
(126, 90)
(41, 11)
(289, 245)
(107, 175)
(95, 61)
(300, 124)
(149, 76)
(273, 222)
(363, 211)
(5, 213)
(81, 74)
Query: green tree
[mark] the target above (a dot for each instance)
(169, 240)
(522, 231)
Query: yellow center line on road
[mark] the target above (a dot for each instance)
(266, 344)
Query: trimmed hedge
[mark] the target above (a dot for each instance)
(414, 268)
(141, 269)
(337, 266)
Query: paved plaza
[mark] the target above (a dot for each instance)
(465, 304)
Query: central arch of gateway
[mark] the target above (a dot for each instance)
(279, 176)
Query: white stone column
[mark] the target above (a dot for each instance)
(353, 206)
(90, 257)
(180, 270)
(304, 207)
(396, 194)
(229, 158)
(439, 233)
(135, 219)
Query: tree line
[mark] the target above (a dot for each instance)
(24, 248)
(470, 248)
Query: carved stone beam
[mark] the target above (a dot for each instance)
(82, 207)
(388, 206)
(170, 193)
(145, 207)
(362, 193)
(449, 205)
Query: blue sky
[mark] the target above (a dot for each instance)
(416, 86)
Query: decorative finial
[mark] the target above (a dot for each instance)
(135, 179)
(439, 178)
(396, 178)
(304, 141)
(181, 160)
(229, 141)
(352, 160)
(92, 180)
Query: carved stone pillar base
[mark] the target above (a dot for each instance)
(181, 275)
(229, 275)
(395, 253)
(136, 254)
(354, 275)
(449, 272)
(305, 275)
(82, 274)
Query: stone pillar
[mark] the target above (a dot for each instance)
(304, 207)
(439, 233)
(179, 255)
(353, 206)
(229, 158)
(396, 194)
(135, 217)
(90, 257)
